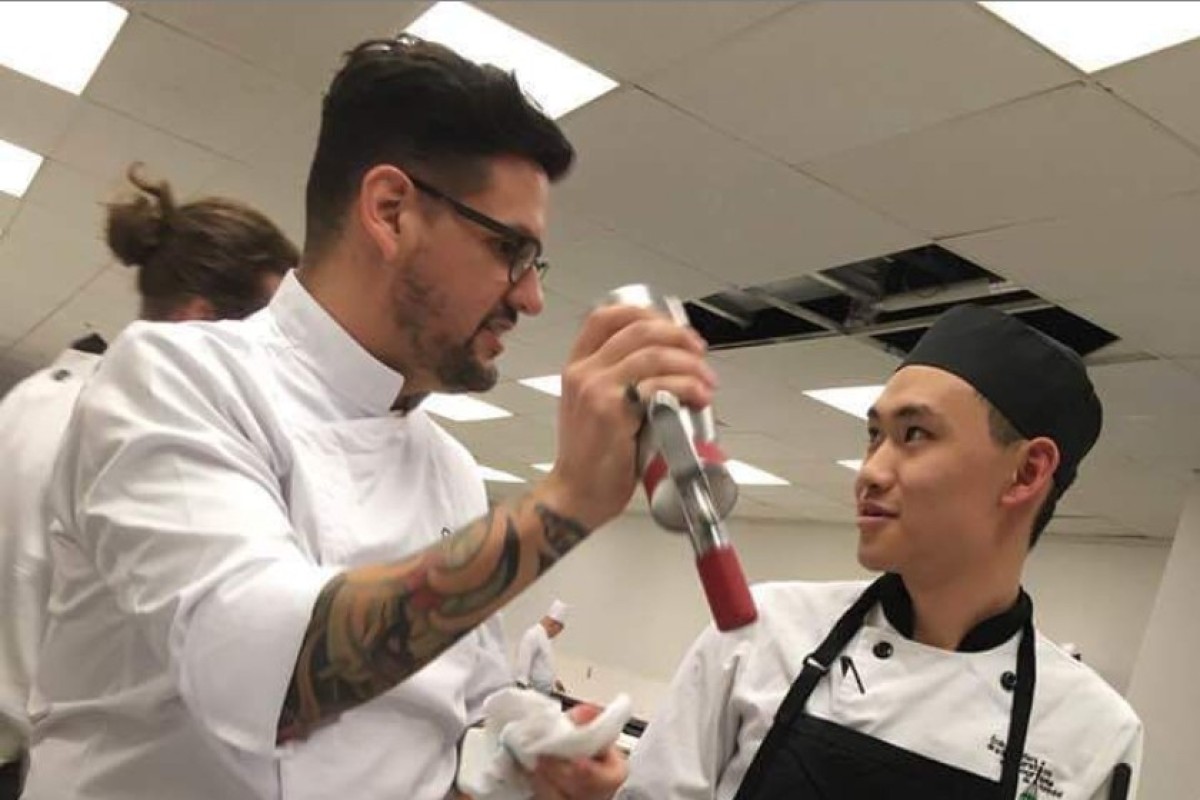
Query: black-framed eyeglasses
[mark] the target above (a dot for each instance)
(522, 251)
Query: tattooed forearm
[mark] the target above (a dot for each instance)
(373, 627)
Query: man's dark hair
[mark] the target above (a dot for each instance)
(415, 104)
(1003, 433)
(216, 248)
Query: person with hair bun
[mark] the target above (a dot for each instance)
(213, 258)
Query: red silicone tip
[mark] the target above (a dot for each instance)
(725, 586)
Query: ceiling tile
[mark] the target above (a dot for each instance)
(105, 306)
(1147, 497)
(103, 143)
(587, 269)
(75, 197)
(1147, 389)
(828, 77)
(1125, 248)
(1161, 322)
(8, 208)
(1055, 154)
(234, 107)
(1163, 85)
(44, 112)
(629, 40)
(815, 364)
(277, 197)
(669, 183)
(302, 44)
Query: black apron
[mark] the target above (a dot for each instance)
(807, 758)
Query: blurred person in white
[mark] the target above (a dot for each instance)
(212, 258)
(535, 655)
(931, 681)
(251, 585)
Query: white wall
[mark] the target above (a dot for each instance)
(637, 605)
(1165, 689)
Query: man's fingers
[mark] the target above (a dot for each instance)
(600, 325)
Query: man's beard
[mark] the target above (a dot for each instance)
(456, 365)
(458, 369)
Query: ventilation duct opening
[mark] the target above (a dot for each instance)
(889, 300)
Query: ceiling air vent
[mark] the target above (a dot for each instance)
(890, 301)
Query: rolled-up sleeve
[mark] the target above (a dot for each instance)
(167, 484)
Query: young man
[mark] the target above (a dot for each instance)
(931, 681)
(252, 578)
(213, 258)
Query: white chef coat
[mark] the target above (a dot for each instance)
(948, 706)
(535, 659)
(214, 478)
(33, 417)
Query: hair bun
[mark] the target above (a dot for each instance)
(136, 227)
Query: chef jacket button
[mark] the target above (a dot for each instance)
(1009, 681)
(61, 374)
(882, 650)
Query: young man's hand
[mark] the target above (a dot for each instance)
(595, 778)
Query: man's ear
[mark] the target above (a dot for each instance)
(385, 199)
(1037, 461)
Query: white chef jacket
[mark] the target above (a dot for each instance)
(535, 659)
(33, 417)
(214, 478)
(947, 706)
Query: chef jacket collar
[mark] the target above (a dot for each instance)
(363, 383)
(987, 635)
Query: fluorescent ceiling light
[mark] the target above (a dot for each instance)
(498, 475)
(462, 408)
(58, 43)
(851, 463)
(855, 400)
(556, 81)
(550, 384)
(1093, 36)
(544, 466)
(746, 475)
(17, 167)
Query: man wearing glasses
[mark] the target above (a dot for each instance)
(251, 512)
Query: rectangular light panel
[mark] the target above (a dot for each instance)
(746, 475)
(498, 475)
(18, 167)
(854, 400)
(61, 44)
(557, 82)
(548, 384)
(1094, 35)
(462, 408)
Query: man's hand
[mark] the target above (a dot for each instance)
(595, 778)
(619, 347)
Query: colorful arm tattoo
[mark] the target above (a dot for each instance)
(372, 627)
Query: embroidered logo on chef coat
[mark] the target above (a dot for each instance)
(1037, 776)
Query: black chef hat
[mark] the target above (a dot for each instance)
(1039, 385)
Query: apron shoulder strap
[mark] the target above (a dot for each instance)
(816, 664)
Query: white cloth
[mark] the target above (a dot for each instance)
(535, 659)
(948, 706)
(214, 478)
(33, 416)
(519, 726)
